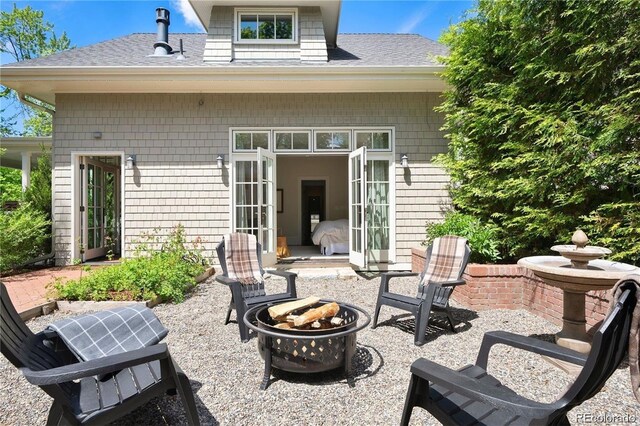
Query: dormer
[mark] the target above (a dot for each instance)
(278, 30)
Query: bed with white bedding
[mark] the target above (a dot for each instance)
(332, 236)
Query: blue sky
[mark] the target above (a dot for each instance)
(90, 21)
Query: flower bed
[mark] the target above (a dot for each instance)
(161, 269)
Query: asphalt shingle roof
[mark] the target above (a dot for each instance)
(353, 50)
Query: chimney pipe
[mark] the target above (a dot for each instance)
(161, 46)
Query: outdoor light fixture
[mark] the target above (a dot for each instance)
(220, 160)
(97, 135)
(131, 161)
(404, 161)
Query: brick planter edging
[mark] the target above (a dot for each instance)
(514, 287)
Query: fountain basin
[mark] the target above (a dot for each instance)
(581, 255)
(559, 272)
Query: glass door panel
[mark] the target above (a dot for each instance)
(266, 197)
(357, 218)
(254, 201)
(246, 197)
(100, 208)
(378, 210)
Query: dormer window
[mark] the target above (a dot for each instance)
(266, 26)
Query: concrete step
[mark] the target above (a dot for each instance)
(336, 273)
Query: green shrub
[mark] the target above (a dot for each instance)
(482, 237)
(168, 272)
(22, 234)
(617, 227)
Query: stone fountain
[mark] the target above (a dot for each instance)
(577, 271)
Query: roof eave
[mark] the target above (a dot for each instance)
(46, 82)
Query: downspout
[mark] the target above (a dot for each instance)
(24, 100)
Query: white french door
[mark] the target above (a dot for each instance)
(100, 200)
(254, 200)
(266, 201)
(357, 207)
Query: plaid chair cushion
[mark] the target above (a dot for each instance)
(446, 259)
(241, 258)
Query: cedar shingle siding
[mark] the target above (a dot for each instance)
(176, 141)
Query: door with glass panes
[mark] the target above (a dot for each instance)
(370, 217)
(254, 200)
(99, 209)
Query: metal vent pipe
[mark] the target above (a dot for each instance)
(162, 44)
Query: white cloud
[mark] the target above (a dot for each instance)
(187, 12)
(409, 25)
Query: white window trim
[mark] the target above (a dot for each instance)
(292, 130)
(388, 130)
(265, 11)
(333, 130)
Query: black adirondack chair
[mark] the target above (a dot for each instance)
(431, 298)
(471, 396)
(245, 296)
(91, 392)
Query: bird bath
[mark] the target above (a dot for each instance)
(578, 271)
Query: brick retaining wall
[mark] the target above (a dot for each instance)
(514, 287)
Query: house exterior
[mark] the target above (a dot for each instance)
(223, 131)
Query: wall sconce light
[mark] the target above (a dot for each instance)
(404, 161)
(97, 135)
(220, 160)
(130, 161)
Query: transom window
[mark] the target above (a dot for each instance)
(332, 140)
(292, 140)
(373, 140)
(250, 141)
(266, 26)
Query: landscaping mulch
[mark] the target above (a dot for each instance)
(226, 374)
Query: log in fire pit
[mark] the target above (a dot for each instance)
(306, 346)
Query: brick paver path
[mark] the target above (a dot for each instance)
(29, 290)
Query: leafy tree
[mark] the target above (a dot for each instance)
(25, 35)
(38, 194)
(542, 114)
(10, 184)
(39, 123)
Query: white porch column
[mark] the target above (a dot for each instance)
(26, 170)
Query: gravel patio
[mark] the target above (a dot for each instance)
(226, 374)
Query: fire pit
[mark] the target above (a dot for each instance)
(307, 351)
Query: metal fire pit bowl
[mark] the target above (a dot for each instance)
(307, 351)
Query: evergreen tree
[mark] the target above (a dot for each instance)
(543, 115)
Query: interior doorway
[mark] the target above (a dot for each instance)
(312, 208)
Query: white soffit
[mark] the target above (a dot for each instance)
(330, 11)
(44, 82)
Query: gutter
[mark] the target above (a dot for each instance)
(216, 69)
